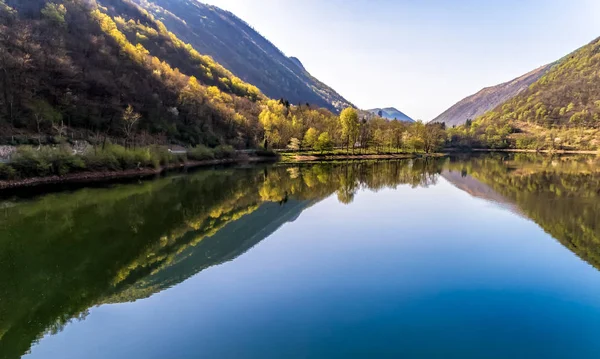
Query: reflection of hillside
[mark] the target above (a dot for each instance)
(231, 241)
(64, 253)
(561, 195)
(478, 189)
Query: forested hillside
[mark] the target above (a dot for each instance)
(488, 99)
(559, 111)
(107, 70)
(236, 45)
(85, 69)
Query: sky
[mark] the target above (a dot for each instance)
(420, 56)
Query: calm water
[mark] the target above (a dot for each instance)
(487, 257)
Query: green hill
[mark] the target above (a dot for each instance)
(561, 110)
(73, 67)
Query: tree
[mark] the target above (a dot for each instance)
(310, 138)
(378, 139)
(433, 136)
(272, 119)
(55, 13)
(324, 142)
(43, 113)
(295, 144)
(350, 126)
(130, 119)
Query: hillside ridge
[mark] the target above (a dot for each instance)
(488, 98)
(234, 43)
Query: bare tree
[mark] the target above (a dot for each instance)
(130, 120)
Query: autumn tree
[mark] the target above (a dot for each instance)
(324, 142)
(350, 126)
(295, 144)
(310, 138)
(433, 137)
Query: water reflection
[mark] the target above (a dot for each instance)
(62, 254)
(560, 194)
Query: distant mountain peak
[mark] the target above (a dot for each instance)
(391, 113)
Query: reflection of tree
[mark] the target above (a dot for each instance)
(347, 186)
(63, 253)
(560, 194)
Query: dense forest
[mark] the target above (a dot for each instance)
(73, 68)
(561, 110)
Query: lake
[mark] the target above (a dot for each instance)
(493, 256)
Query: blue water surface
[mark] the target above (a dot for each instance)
(427, 272)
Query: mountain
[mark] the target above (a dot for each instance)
(72, 68)
(237, 46)
(391, 113)
(559, 111)
(567, 95)
(489, 98)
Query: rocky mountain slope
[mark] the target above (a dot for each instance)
(489, 98)
(237, 46)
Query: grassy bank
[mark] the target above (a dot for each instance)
(51, 164)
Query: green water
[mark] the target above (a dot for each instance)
(481, 257)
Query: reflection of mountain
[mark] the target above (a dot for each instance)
(477, 189)
(233, 240)
(562, 197)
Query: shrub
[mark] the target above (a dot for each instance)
(62, 161)
(28, 162)
(224, 151)
(101, 160)
(162, 157)
(7, 173)
(201, 153)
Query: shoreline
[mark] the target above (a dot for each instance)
(514, 150)
(99, 177)
(299, 158)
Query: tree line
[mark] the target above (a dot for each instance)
(304, 128)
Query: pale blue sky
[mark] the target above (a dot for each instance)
(421, 56)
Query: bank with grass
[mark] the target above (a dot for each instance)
(30, 166)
